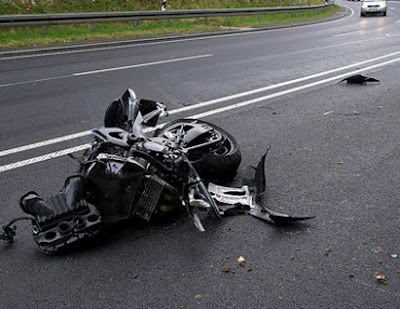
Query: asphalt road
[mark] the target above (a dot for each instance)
(335, 151)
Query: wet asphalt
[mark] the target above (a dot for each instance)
(334, 154)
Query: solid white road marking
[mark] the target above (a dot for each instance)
(203, 104)
(287, 83)
(44, 143)
(298, 51)
(204, 114)
(45, 157)
(167, 40)
(284, 92)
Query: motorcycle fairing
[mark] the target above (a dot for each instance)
(192, 132)
(249, 199)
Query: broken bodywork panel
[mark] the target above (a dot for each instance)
(248, 198)
(128, 174)
(67, 217)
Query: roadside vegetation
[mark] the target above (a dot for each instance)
(8, 7)
(35, 36)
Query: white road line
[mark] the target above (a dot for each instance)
(287, 83)
(46, 157)
(44, 143)
(108, 70)
(167, 40)
(349, 33)
(281, 93)
(299, 51)
(129, 44)
(349, 8)
(202, 115)
(35, 81)
(142, 65)
(206, 103)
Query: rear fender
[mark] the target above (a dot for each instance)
(192, 130)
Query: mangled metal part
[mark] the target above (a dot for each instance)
(249, 199)
(67, 217)
(239, 200)
(9, 231)
(230, 195)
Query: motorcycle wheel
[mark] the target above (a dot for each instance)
(218, 164)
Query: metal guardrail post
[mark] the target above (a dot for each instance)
(44, 30)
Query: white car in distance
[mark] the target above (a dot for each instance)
(373, 7)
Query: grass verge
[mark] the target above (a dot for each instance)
(33, 36)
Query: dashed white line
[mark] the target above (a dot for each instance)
(35, 81)
(281, 93)
(45, 157)
(204, 114)
(349, 33)
(142, 65)
(109, 70)
(167, 40)
(206, 103)
(44, 143)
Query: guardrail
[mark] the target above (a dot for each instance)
(79, 18)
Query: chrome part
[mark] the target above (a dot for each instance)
(232, 196)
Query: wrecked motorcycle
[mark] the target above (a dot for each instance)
(127, 174)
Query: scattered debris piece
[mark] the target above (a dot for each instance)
(226, 269)
(327, 251)
(340, 162)
(351, 275)
(394, 256)
(380, 107)
(242, 261)
(198, 297)
(378, 250)
(359, 79)
(293, 257)
(381, 278)
(355, 113)
(101, 296)
(327, 113)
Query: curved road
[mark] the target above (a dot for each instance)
(335, 152)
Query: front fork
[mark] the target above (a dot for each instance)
(196, 197)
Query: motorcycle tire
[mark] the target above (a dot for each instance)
(220, 164)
